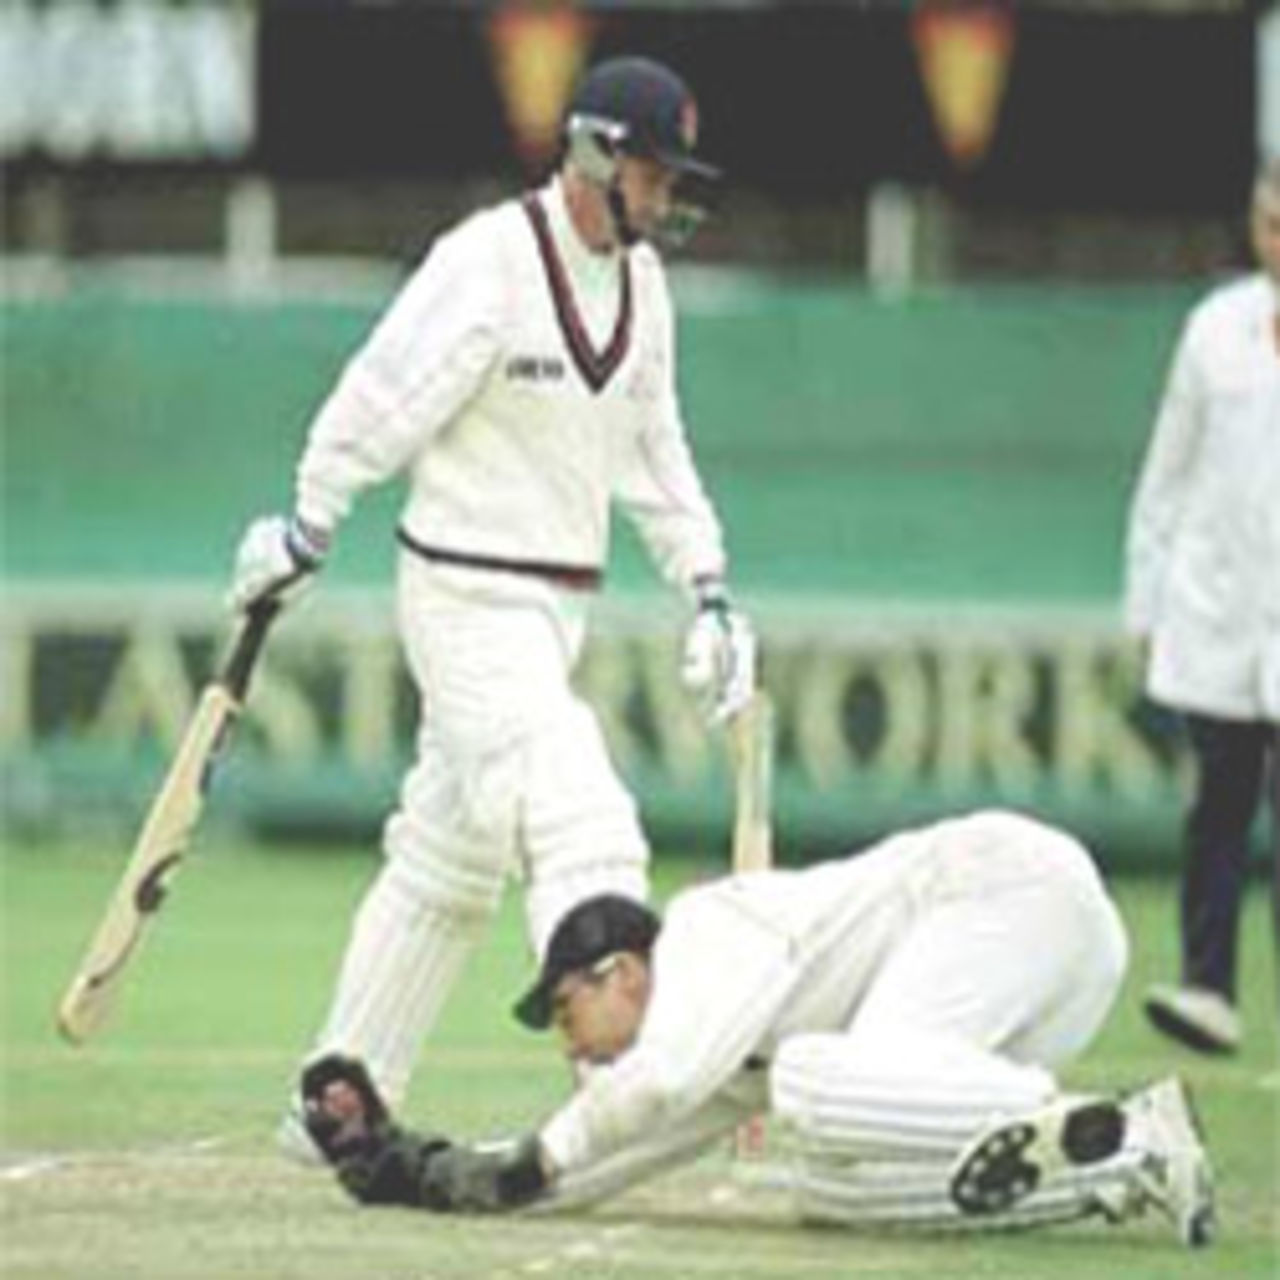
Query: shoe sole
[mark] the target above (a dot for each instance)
(1009, 1163)
(1167, 1020)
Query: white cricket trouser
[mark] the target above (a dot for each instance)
(512, 775)
(989, 990)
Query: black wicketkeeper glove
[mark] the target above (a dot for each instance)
(376, 1161)
(493, 1179)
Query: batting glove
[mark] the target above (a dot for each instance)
(719, 666)
(276, 560)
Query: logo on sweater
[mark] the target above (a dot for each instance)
(535, 369)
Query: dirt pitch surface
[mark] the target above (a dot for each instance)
(223, 1209)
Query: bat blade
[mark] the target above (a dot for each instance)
(159, 851)
(751, 746)
(751, 735)
(165, 834)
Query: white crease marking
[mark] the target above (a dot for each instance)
(32, 1168)
(38, 1166)
(581, 1250)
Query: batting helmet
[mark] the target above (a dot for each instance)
(638, 107)
(643, 109)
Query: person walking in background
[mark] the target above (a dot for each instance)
(523, 381)
(1203, 589)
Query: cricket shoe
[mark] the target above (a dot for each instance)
(1197, 1017)
(1007, 1163)
(1174, 1173)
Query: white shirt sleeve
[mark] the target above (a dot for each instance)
(720, 978)
(658, 485)
(1162, 488)
(654, 1153)
(422, 362)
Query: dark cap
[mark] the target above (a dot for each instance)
(594, 929)
(652, 104)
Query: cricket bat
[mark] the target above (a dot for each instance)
(162, 842)
(751, 747)
(751, 751)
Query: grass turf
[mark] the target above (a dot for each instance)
(148, 1152)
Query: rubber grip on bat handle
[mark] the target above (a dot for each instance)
(239, 663)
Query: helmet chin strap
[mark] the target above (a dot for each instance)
(626, 233)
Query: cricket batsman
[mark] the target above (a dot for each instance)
(900, 1013)
(523, 382)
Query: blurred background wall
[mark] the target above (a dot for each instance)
(921, 349)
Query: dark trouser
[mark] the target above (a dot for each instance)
(1234, 760)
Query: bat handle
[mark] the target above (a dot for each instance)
(238, 665)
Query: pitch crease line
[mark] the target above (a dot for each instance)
(40, 1165)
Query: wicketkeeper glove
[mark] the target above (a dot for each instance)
(719, 666)
(391, 1170)
(276, 560)
(493, 1179)
(376, 1161)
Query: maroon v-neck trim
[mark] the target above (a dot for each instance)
(596, 367)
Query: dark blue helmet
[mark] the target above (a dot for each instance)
(638, 107)
(644, 109)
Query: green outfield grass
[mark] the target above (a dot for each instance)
(149, 1153)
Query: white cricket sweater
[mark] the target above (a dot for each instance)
(523, 382)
